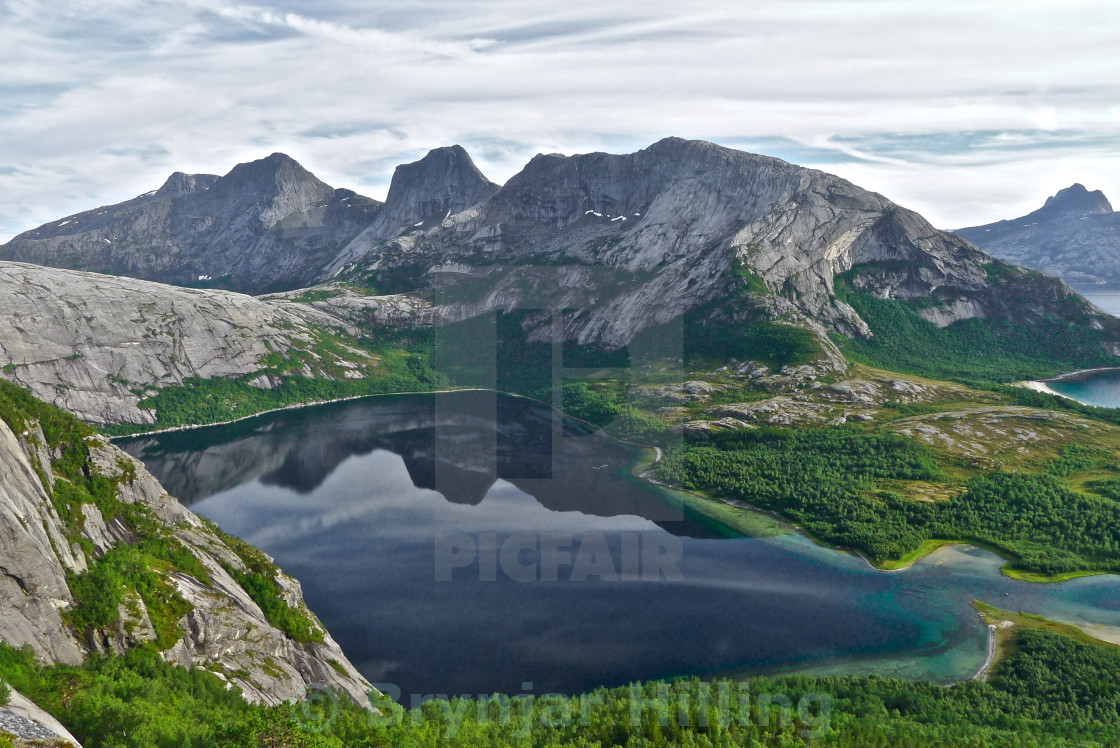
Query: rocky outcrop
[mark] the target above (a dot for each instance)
(31, 726)
(225, 631)
(1075, 235)
(268, 225)
(422, 194)
(35, 554)
(94, 345)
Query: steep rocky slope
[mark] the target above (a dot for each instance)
(268, 225)
(75, 511)
(1075, 235)
(94, 345)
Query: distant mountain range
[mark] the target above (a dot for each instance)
(676, 218)
(1075, 235)
(733, 245)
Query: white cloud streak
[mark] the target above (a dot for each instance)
(965, 111)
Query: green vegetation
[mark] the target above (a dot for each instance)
(745, 335)
(996, 350)
(311, 295)
(832, 482)
(139, 569)
(606, 406)
(203, 401)
(752, 282)
(1058, 690)
(258, 578)
(99, 593)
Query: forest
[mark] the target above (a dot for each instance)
(828, 482)
(973, 350)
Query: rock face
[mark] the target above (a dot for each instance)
(225, 631)
(636, 240)
(423, 193)
(23, 719)
(35, 555)
(1075, 235)
(269, 225)
(93, 345)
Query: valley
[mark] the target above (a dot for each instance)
(843, 456)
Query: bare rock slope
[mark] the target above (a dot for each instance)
(94, 345)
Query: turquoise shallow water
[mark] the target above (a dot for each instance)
(1102, 389)
(354, 498)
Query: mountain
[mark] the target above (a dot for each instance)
(98, 558)
(641, 239)
(1075, 235)
(741, 258)
(268, 225)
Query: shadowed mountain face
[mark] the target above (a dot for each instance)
(269, 225)
(422, 193)
(1075, 235)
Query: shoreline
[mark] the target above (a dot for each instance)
(1044, 388)
(1074, 376)
(983, 671)
(294, 406)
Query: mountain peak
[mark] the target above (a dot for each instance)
(180, 184)
(446, 179)
(276, 169)
(1077, 200)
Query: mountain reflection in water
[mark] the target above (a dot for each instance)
(353, 499)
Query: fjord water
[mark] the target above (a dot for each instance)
(1105, 296)
(352, 499)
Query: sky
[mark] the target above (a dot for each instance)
(967, 112)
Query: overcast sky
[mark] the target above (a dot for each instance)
(965, 111)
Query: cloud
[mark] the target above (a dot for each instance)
(964, 111)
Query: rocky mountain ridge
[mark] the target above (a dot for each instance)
(96, 345)
(637, 240)
(1075, 235)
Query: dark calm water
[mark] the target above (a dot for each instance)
(354, 499)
